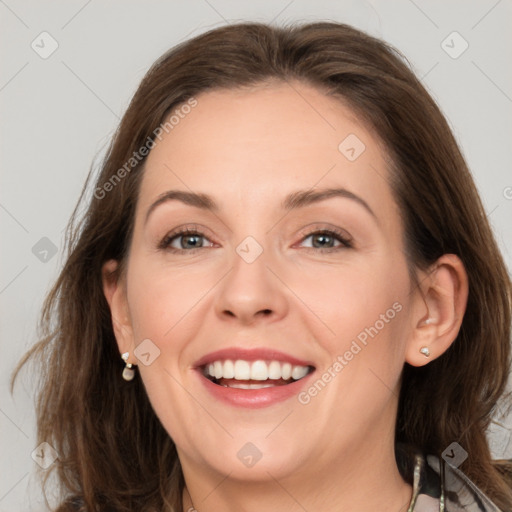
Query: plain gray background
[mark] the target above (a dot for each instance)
(59, 112)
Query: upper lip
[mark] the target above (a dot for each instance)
(254, 354)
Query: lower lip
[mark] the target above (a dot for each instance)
(254, 398)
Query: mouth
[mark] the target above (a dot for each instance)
(252, 378)
(252, 375)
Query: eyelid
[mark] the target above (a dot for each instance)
(345, 239)
(186, 229)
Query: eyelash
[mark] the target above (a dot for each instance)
(346, 243)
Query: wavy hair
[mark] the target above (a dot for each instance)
(113, 452)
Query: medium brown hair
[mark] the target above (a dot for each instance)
(113, 452)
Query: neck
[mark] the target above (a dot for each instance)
(362, 481)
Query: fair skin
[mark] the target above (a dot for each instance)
(248, 150)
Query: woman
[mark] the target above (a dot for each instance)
(284, 293)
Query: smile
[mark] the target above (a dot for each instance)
(252, 378)
(242, 374)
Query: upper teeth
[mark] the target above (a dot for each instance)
(255, 370)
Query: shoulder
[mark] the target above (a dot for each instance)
(459, 492)
(434, 482)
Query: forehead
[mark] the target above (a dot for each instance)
(265, 142)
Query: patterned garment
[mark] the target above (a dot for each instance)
(444, 488)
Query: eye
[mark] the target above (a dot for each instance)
(188, 240)
(328, 240)
(184, 240)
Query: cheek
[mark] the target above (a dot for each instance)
(350, 298)
(159, 298)
(360, 315)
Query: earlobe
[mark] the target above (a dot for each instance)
(115, 292)
(441, 300)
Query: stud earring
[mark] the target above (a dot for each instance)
(428, 321)
(425, 351)
(128, 371)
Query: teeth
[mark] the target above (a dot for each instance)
(242, 370)
(298, 372)
(217, 367)
(274, 370)
(259, 370)
(249, 386)
(255, 370)
(228, 370)
(286, 371)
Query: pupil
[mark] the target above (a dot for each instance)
(190, 240)
(320, 237)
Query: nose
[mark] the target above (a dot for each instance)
(250, 293)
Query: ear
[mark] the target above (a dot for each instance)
(439, 307)
(114, 288)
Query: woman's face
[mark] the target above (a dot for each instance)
(293, 263)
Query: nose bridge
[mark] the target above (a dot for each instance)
(250, 290)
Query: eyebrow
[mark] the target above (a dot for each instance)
(303, 198)
(293, 201)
